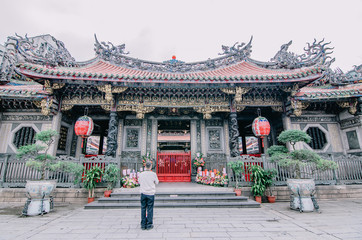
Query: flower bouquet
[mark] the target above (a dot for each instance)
(146, 158)
(198, 161)
(130, 182)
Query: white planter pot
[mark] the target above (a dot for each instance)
(36, 191)
(302, 189)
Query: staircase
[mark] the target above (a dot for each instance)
(177, 197)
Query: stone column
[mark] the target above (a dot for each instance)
(112, 135)
(233, 135)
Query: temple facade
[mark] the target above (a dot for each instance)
(172, 107)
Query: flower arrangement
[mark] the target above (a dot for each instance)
(213, 178)
(198, 161)
(146, 158)
(130, 181)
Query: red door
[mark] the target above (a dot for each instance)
(174, 167)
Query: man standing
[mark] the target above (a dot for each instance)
(147, 181)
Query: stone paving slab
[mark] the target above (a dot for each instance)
(339, 219)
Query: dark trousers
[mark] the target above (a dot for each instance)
(147, 210)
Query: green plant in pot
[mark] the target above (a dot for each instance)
(111, 176)
(269, 176)
(258, 179)
(92, 178)
(302, 186)
(238, 170)
(38, 158)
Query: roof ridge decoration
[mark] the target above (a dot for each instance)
(44, 50)
(316, 53)
(338, 78)
(117, 55)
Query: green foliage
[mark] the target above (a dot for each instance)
(296, 160)
(238, 169)
(257, 176)
(262, 179)
(38, 158)
(39, 152)
(269, 176)
(293, 136)
(111, 175)
(91, 178)
(70, 167)
(277, 149)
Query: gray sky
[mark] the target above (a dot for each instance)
(193, 30)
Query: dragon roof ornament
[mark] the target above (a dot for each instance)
(338, 78)
(44, 50)
(316, 53)
(117, 55)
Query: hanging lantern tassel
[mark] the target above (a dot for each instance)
(261, 128)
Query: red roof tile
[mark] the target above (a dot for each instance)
(240, 72)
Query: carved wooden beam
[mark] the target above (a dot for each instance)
(351, 105)
(298, 106)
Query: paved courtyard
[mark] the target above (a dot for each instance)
(339, 219)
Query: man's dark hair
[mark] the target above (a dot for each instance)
(148, 165)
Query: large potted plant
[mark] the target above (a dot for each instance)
(257, 177)
(92, 177)
(301, 182)
(38, 158)
(111, 176)
(269, 176)
(238, 169)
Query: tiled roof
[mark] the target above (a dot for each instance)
(242, 72)
(320, 93)
(22, 91)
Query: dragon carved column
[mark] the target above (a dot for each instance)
(234, 134)
(112, 135)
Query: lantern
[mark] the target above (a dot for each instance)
(84, 126)
(261, 127)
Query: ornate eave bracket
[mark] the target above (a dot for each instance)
(46, 105)
(50, 87)
(298, 107)
(238, 91)
(351, 105)
(140, 109)
(208, 110)
(292, 90)
(109, 90)
(68, 104)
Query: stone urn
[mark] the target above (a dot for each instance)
(39, 192)
(302, 190)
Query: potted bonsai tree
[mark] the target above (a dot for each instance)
(302, 186)
(38, 158)
(259, 181)
(238, 169)
(91, 178)
(111, 176)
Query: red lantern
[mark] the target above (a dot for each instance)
(261, 127)
(84, 126)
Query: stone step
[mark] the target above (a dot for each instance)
(179, 199)
(175, 194)
(216, 204)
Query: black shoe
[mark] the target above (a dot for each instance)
(150, 227)
(143, 228)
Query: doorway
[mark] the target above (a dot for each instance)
(173, 151)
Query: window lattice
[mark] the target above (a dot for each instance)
(319, 139)
(24, 136)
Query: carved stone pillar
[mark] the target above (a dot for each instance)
(112, 135)
(234, 134)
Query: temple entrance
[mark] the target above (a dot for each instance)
(173, 151)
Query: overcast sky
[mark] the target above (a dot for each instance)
(193, 30)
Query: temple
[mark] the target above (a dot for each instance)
(174, 108)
